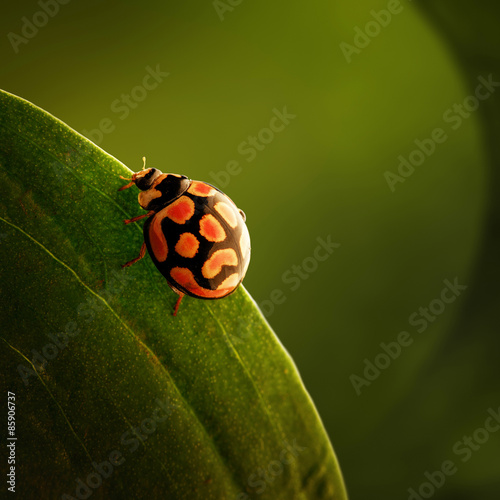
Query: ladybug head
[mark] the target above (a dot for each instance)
(157, 188)
(145, 178)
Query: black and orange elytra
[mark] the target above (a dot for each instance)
(194, 233)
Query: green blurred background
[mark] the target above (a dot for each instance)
(231, 66)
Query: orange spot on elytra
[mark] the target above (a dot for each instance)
(180, 210)
(211, 229)
(213, 266)
(187, 246)
(184, 278)
(229, 284)
(244, 243)
(227, 213)
(157, 238)
(200, 189)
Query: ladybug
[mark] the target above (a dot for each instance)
(194, 233)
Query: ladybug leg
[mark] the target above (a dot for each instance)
(142, 253)
(139, 217)
(178, 303)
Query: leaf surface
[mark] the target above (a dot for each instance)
(115, 397)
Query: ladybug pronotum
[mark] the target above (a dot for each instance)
(195, 234)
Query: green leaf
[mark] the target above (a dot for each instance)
(115, 398)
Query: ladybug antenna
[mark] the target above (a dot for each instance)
(144, 163)
(130, 184)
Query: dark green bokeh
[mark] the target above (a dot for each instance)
(323, 175)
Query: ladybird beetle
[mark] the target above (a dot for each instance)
(194, 233)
